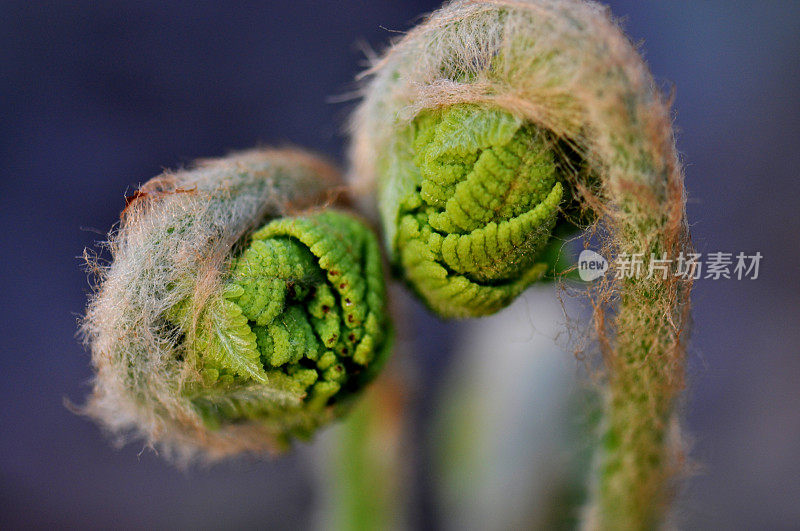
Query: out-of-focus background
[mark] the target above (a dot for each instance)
(96, 97)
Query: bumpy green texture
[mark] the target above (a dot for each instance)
(303, 312)
(475, 203)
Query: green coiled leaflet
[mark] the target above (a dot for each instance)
(301, 325)
(475, 197)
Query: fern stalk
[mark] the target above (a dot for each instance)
(365, 463)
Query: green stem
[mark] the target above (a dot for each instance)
(364, 472)
(636, 464)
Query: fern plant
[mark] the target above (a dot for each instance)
(242, 309)
(492, 127)
(210, 337)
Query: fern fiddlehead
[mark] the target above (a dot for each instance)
(443, 112)
(210, 336)
(482, 198)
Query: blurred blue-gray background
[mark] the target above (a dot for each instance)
(96, 97)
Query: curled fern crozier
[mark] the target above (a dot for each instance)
(482, 196)
(498, 114)
(213, 336)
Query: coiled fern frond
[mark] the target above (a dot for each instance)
(482, 195)
(477, 130)
(210, 337)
